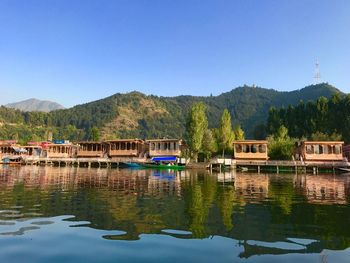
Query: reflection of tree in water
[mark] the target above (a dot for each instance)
(199, 197)
(282, 194)
(260, 207)
(225, 201)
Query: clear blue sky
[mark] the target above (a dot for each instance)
(75, 51)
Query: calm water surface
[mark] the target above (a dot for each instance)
(50, 214)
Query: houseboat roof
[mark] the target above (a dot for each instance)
(164, 140)
(59, 144)
(249, 141)
(8, 142)
(32, 146)
(125, 140)
(91, 142)
(323, 142)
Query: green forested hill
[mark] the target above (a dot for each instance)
(137, 115)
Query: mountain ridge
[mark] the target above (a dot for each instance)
(33, 104)
(134, 114)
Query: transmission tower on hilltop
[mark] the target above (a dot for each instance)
(317, 76)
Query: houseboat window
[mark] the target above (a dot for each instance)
(325, 149)
(159, 146)
(337, 149)
(262, 148)
(128, 146)
(245, 148)
(153, 146)
(316, 149)
(117, 146)
(175, 146)
(122, 146)
(166, 146)
(329, 149)
(133, 146)
(321, 149)
(309, 149)
(254, 148)
(238, 148)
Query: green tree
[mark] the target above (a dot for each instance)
(197, 124)
(238, 132)
(226, 135)
(281, 146)
(95, 134)
(320, 136)
(209, 145)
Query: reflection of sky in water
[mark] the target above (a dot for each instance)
(57, 239)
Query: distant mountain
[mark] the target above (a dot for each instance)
(35, 105)
(134, 114)
(137, 115)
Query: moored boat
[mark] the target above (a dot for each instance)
(164, 162)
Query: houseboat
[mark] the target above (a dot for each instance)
(54, 150)
(255, 150)
(165, 147)
(125, 148)
(319, 151)
(88, 149)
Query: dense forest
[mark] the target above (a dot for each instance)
(137, 115)
(320, 119)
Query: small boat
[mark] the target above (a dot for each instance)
(164, 162)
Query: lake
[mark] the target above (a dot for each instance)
(52, 214)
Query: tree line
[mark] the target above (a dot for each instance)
(205, 141)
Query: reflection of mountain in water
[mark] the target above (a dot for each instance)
(256, 210)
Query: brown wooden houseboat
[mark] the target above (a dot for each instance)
(165, 147)
(125, 148)
(250, 150)
(91, 149)
(320, 151)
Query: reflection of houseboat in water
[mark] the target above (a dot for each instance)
(226, 176)
(324, 189)
(252, 186)
(164, 182)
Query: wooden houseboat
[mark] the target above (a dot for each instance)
(319, 151)
(165, 147)
(250, 150)
(10, 152)
(91, 149)
(125, 148)
(59, 150)
(33, 150)
(346, 151)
